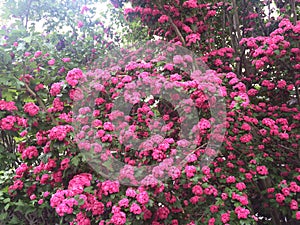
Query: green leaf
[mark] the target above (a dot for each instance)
(89, 189)
(6, 200)
(75, 160)
(3, 216)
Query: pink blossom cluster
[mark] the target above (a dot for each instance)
(12, 122)
(74, 76)
(59, 132)
(7, 106)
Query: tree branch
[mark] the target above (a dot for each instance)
(41, 103)
(178, 33)
(236, 21)
(294, 11)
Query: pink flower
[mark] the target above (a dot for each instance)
(192, 38)
(32, 197)
(31, 108)
(22, 169)
(30, 152)
(163, 212)
(37, 54)
(294, 205)
(194, 199)
(39, 87)
(214, 208)
(190, 4)
(197, 190)
(124, 202)
(225, 217)
(163, 19)
(241, 212)
(74, 76)
(174, 172)
(108, 126)
(224, 196)
(169, 67)
(203, 124)
(190, 170)
(7, 106)
(80, 24)
(268, 122)
(98, 208)
(147, 214)
(135, 209)
(84, 9)
(279, 197)
(284, 136)
(240, 186)
(246, 138)
(23, 133)
(259, 64)
(294, 187)
(26, 54)
(218, 62)
(230, 179)
(142, 198)
(59, 132)
(51, 62)
(211, 221)
(64, 164)
(205, 170)
(55, 89)
(178, 59)
(298, 215)
(252, 92)
(44, 178)
(110, 187)
(118, 218)
(66, 59)
(281, 84)
(246, 127)
(262, 170)
(286, 191)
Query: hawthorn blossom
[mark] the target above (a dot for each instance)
(31, 108)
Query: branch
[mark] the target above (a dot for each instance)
(172, 24)
(297, 94)
(41, 103)
(177, 31)
(236, 21)
(224, 26)
(294, 11)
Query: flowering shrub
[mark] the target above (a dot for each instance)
(89, 147)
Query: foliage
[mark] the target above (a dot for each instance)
(58, 91)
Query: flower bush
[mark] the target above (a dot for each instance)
(72, 156)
